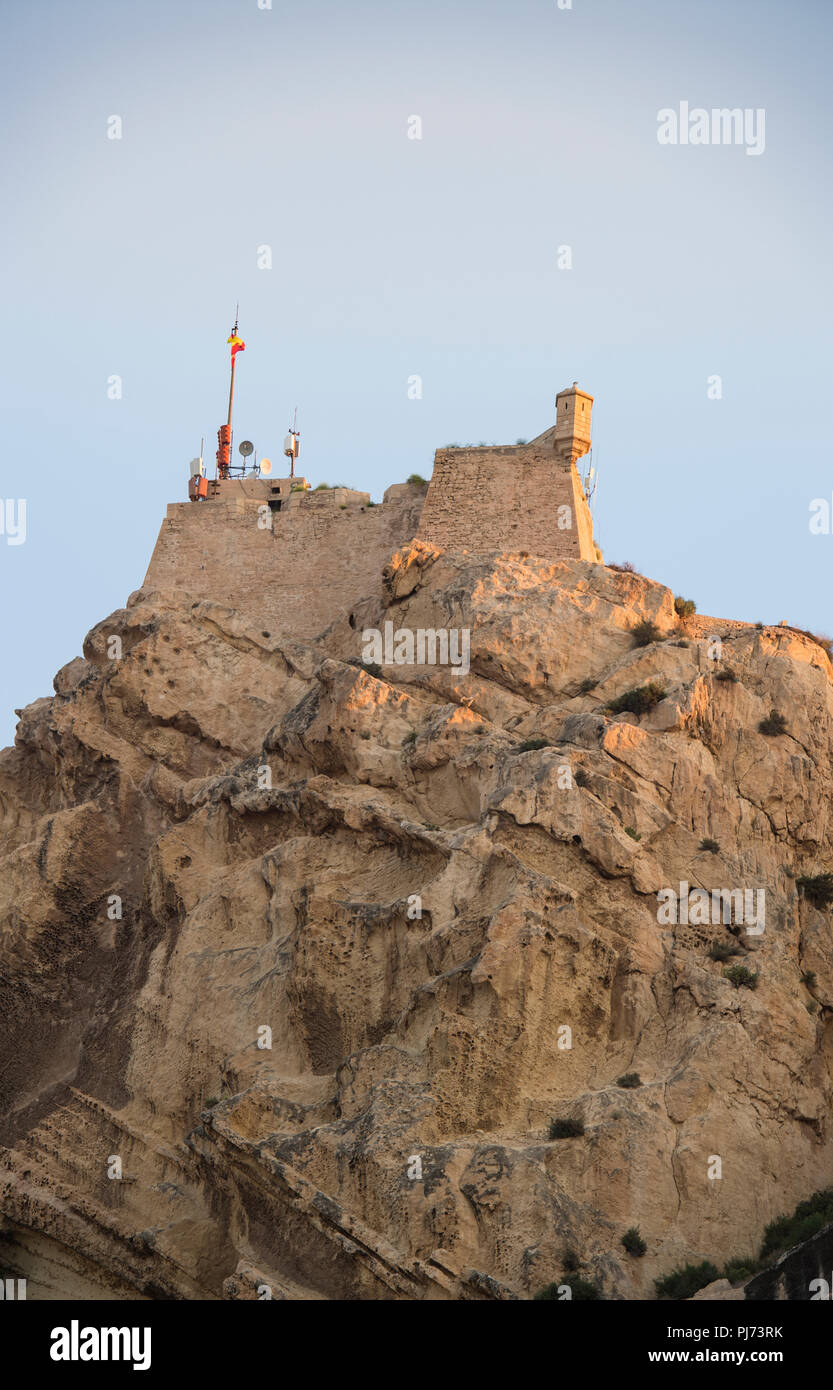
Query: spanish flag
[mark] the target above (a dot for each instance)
(237, 344)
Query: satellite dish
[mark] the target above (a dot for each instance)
(246, 448)
(266, 466)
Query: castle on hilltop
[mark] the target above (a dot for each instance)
(298, 558)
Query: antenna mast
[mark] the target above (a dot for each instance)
(291, 444)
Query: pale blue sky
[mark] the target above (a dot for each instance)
(393, 257)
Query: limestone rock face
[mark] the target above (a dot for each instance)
(299, 960)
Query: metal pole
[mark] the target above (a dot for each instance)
(231, 386)
(231, 392)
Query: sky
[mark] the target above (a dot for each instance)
(265, 157)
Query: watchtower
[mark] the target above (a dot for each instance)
(573, 409)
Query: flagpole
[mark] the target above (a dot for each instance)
(233, 365)
(224, 432)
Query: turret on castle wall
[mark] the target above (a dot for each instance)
(527, 497)
(573, 409)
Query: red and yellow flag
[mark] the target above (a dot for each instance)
(237, 344)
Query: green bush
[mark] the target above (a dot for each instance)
(740, 976)
(723, 950)
(530, 745)
(633, 1242)
(571, 1261)
(807, 1219)
(817, 889)
(581, 1289)
(210, 1103)
(629, 830)
(410, 738)
(629, 1081)
(587, 685)
(640, 700)
(737, 1271)
(709, 846)
(417, 480)
(685, 1282)
(809, 978)
(684, 607)
(322, 487)
(645, 633)
(773, 725)
(566, 1129)
(727, 674)
(520, 441)
(581, 779)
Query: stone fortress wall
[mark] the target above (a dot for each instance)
(298, 559)
(507, 499)
(324, 550)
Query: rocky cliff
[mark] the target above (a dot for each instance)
(313, 955)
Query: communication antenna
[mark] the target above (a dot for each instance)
(197, 481)
(291, 445)
(196, 468)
